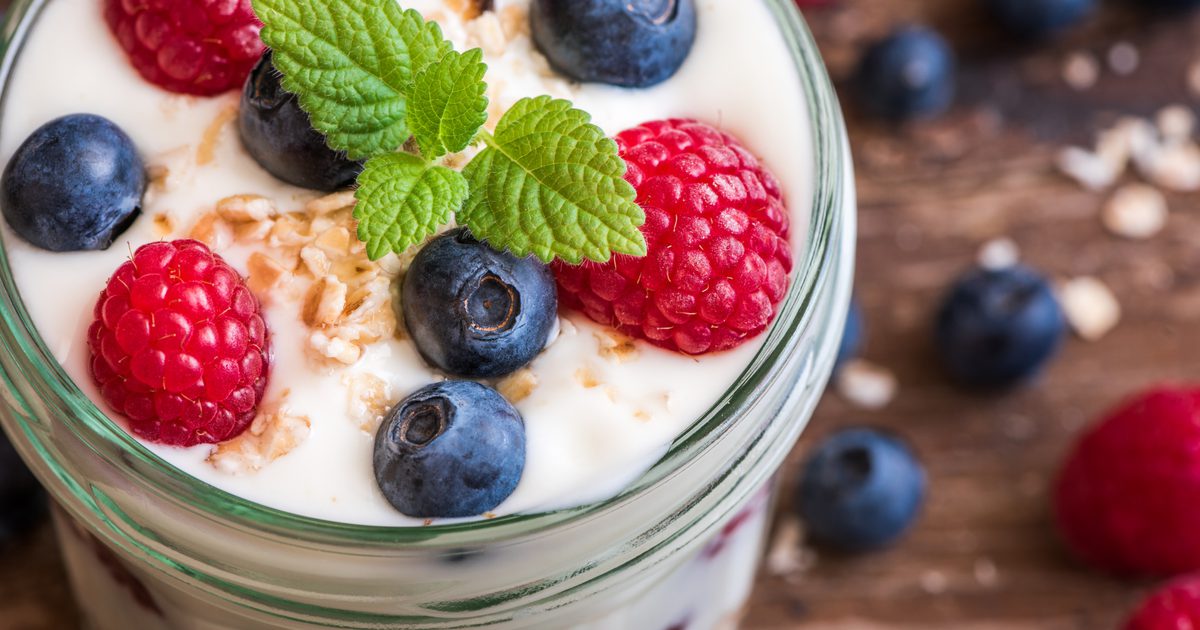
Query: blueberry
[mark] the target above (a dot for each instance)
(852, 336)
(861, 489)
(630, 43)
(997, 328)
(22, 500)
(74, 184)
(280, 136)
(1040, 18)
(476, 312)
(451, 450)
(910, 74)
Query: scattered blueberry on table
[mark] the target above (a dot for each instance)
(998, 327)
(630, 43)
(909, 74)
(75, 184)
(452, 449)
(1040, 18)
(476, 312)
(280, 136)
(861, 489)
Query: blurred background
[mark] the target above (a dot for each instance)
(1015, 165)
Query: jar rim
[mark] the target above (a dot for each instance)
(79, 414)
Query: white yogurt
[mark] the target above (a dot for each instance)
(584, 443)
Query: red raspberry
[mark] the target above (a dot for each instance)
(201, 47)
(1128, 499)
(179, 346)
(1174, 607)
(717, 230)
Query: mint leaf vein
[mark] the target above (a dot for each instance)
(447, 106)
(402, 200)
(352, 63)
(551, 184)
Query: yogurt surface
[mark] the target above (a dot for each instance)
(595, 420)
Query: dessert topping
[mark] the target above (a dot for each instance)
(74, 184)
(717, 232)
(452, 449)
(179, 346)
(547, 182)
(636, 43)
(201, 47)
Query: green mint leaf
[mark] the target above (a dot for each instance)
(402, 201)
(352, 63)
(550, 183)
(447, 106)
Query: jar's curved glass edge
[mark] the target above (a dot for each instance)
(110, 442)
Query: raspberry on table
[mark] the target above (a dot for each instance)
(1175, 606)
(179, 346)
(1126, 499)
(718, 258)
(201, 47)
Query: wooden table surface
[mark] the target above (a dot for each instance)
(983, 555)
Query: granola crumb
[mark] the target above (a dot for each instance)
(1136, 211)
(616, 346)
(265, 273)
(486, 32)
(998, 253)
(518, 386)
(206, 152)
(1081, 70)
(164, 225)
(866, 385)
(212, 231)
(246, 209)
(369, 400)
(786, 555)
(586, 377)
(324, 302)
(272, 435)
(1124, 58)
(1090, 307)
(331, 203)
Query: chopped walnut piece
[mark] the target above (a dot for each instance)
(324, 302)
(370, 398)
(266, 273)
(616, 346)
(518, 386)
(246, 208)
(272, 435)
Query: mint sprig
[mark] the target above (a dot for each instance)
(372, 76)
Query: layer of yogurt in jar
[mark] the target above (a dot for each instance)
(599, 409)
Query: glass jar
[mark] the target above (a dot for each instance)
(148, 546)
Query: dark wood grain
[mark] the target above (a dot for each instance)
(983, 556)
